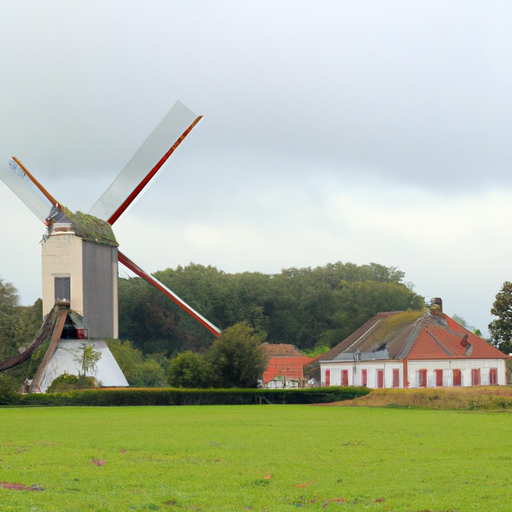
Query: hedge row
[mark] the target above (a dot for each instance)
(174, 396)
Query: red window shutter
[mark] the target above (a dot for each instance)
(327, 377)
(493, 377)
(396, 378)
(380, 378)
(439, 378)
(457, 379)
(344, 377)
(364, 377)
(422, 378)
(475, 377)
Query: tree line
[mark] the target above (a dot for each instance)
(312, 308)
(307, 307)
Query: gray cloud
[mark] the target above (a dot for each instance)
(307, 107)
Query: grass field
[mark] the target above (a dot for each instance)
(260, 458)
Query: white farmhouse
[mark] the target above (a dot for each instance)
(410, 349)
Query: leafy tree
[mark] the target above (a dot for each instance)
(150, 374)
(18, 326)
(148, 318)
(360, 301)
(11, 325)
(8, 388)
(317, 351)
(235, 357)
(127, 356)
(87, 359)
(462, 321)
(189, 370)
(139, 370)
(501, 328)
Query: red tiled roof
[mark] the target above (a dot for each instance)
(443, 339)
(281, 349)
(383, 328)
(287, 367)
(415, 336)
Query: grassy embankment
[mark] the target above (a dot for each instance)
(260, 458)
(472, 398)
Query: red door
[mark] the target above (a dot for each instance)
(439, 378)
(396, 378)
(493, 377)
(380, 378)
(344, 377)
(422, 378)
(457, 379)
(327, 377)
(364, 377)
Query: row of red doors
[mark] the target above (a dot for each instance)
(423, 382)
(364, 378)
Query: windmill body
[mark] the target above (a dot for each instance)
(80, 256)
(79, 265)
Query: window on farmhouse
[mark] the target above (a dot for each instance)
(475, 377)
(439, 378)
(364, 377)
(327, 377)
(422, 378)
(396, 378)
(457, 378)
(493, 377)
(344, 377)
(380, 378)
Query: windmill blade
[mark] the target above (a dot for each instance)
(26, 187)
(155, 282)
(153, 153)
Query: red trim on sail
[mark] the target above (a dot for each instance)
(138, 189)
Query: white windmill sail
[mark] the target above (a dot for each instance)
(18, 181)
(143, 165)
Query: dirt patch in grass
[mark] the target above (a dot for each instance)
(472, 398)
(20, 487)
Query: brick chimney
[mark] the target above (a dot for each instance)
(436, 301)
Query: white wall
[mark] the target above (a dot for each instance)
(355, 372)
(465, 365)
(413, 367)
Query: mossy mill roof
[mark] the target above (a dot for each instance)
(90, 228)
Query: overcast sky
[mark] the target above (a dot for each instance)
(354, 131)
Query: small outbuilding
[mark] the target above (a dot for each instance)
(413, 349)
(285, 366)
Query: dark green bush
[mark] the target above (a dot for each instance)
(66, 382)
(63, 383)
(8, 395)
(174, 396)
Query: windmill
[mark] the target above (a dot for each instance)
(80, 255)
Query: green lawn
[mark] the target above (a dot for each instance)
(260, 458)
